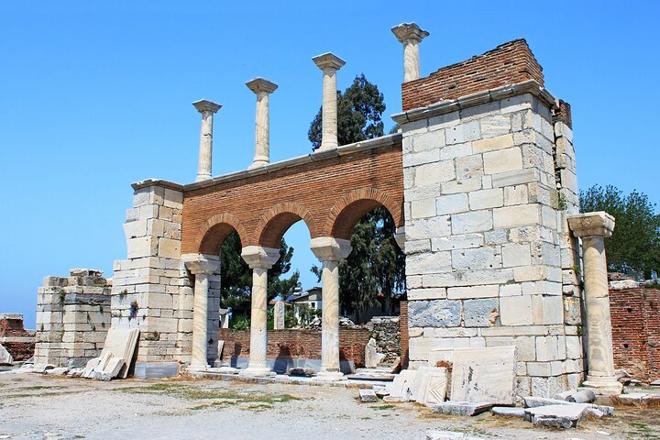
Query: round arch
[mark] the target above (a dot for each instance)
(210, 237)
(353, 206)
(275, 222)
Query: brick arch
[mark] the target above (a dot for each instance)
(350, 208)
(275, 221)
(210, 237)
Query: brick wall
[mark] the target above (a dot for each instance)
(509, 63)
(297, 344)
(636, 331)
(16, 340)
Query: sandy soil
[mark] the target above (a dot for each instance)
(43, 407)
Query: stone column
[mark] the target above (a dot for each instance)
(279, 312)
(260, 259)
(202, 266)
(330, 251)
(207, 109)
(592, 228)
(329, 64)
(410, 35)
(262, 88)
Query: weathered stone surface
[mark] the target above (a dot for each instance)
(430, 385)
(459, 408)
(5, 356)
(434, 313)
(508, 411)
(557, 416)
(401, 386)
(368, 395)
(480, 312)
(484, 374)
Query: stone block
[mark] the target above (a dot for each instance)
(516, 195)
(480, 312)
(495, 125)
(513, 216)
(473, 292)
(477, 258)
(455, 408)
(434, 173)
(455, 242)
(462, 185)
(516, 255)
(422, 208)
(493, 143)
(420, 229)
(452, 204)
(548, 310)
(456, 151)
(401, 387)
(428, 263)
(503, 161)
(516, 310)
(477, 221)
(420, 158)
(547, 348)
(469, 166)
(460, 133)
(434, 313)
(484, 375)
(432, 293)
(487, 198)
(517, 177)
(168, 248)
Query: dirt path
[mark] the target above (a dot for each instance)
(42, 407)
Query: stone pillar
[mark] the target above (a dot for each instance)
(410, 35)
(260, 259)
(329, 64)
(202, 266)
(279, 312)
(330, 251)
(207, 109)
(592, 228)
(262, 88)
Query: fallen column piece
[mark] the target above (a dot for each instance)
(116, 356)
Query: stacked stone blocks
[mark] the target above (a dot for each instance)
(73, 318)
(483, 235)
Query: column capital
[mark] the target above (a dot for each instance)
(260, 85)
(409, 32)
(201, 263)
(591, 224)
(204, 105)
(330, 248)
(259, 257)
(328, 61)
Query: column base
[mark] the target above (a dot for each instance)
(606, 386)
(257, 372)
(329, 375)
(258, 164)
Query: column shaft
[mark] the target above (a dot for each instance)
(329, 113)
(262, 136)
(258, 330)
(330, 319)
(599, 324)
(410, 61)
(200, 325)
(205, 147)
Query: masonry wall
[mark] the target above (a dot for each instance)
(73, 318)
(152, 290)
(484, 230)
(636, 331)
(297, 344)
(18, 341)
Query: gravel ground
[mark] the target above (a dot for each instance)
(33, 406)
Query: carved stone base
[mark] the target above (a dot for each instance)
(607, 386)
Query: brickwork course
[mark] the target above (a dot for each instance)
(636, 331)
(18, 341)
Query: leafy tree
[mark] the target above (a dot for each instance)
(359, 111)
(634, 247)
(236, 277)
(374, 272)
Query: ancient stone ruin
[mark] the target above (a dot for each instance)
(480, 181)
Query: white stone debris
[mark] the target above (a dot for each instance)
(371, 356)
(116, 356)
(368, 395)
(5, 356)
(450, 435)
(484, 375)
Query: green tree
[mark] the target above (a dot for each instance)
(634, 247)
(374, 273)
(236, 277)
(359, 114)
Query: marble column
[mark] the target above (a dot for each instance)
(410, 35)
(260, 259)
(329, 64)
(330, 251)
(207, 109)
(279, 312)
(202, 266)
(262, 88)
(592, 228)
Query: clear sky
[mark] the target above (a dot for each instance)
(95, 95)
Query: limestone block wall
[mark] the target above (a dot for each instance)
(73, 318)
(484, 229)
(152, 289)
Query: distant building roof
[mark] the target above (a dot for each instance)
(303, 295)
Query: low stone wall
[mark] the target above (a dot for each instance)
(73, 318)
(16, 340)
(636, 331)
(386, 331)
(296, 344)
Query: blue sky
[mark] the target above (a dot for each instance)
(97, 95)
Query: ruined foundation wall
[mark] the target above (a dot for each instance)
(73, 318)
(18, 341)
